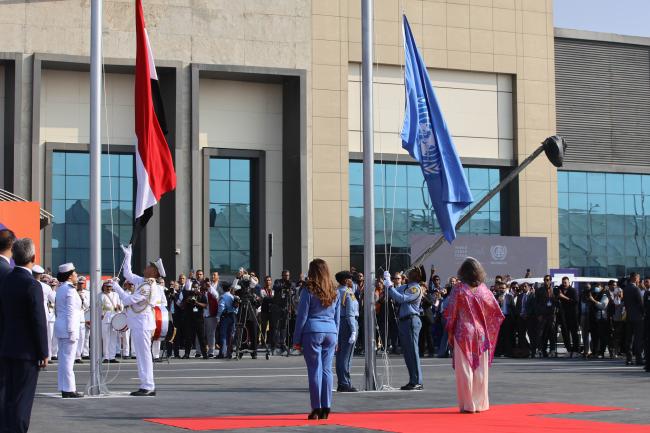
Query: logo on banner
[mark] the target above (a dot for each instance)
(499, 252)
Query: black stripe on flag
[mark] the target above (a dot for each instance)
(158, 105)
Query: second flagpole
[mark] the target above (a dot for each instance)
(368, 193)
(95, 196)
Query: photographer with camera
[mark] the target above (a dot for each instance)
(194, 301)
(284, 291)
(247, 302)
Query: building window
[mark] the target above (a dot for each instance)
(604, 222)
(403, 208)
(230, 214)
(70, 205)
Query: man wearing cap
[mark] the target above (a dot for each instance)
(348, 331)
(49, 297)
(66, 328)
(84, 321)
(110, 305)
(140, 317)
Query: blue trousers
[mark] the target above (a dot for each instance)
(409, 334)
(226, 327)
(318, 349)
(344, 355)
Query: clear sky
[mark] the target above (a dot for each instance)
(625, 17)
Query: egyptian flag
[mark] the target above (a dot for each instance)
(153, 160)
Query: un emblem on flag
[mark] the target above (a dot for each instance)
(499, 252)
(430, 157)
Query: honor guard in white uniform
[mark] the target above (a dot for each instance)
(54, 342)
(49, 296)
(111, 304)
(140, 317)
(84, 331)
(158, 299)
(66, 328)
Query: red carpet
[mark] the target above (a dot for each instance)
(516, 418)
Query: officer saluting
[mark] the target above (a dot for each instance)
(66, 328)
(140, 317)
(409, 297)
(348, 331)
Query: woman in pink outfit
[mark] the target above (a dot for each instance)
(473, 321)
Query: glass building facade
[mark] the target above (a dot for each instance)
(230, 214)
(70, 204)
(604, 222)
(403, 208)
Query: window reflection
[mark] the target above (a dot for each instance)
(70, 203)
(604, 228)
(403, 207)
(230, 214)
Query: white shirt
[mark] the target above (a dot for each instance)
(49, 297)
(140, 314)
(8, 260)
(68, 312)
(84, 295)
(110, 305)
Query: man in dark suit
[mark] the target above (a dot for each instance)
(568, 316)
(7, 239)
(506, 337)
(545, 312)
(23, 339)
(633, 300)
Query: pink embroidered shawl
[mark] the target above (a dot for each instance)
(473, 320)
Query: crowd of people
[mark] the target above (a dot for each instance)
(212, 318)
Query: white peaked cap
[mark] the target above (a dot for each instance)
(38, 269)
(66, 267)
(161, 269)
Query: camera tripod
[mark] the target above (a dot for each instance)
(246, 314)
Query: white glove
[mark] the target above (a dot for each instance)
(386, 275)
(353, 337)
(126, 250)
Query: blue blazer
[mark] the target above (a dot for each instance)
(23, 328)
(312, 316)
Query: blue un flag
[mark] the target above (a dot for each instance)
(427, 139)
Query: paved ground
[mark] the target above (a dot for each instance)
(198, 388)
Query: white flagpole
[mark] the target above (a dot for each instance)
(95, 195)
(368, 193)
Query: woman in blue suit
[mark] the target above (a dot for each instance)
(316, 333)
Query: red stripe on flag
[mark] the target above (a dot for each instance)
(152, 146)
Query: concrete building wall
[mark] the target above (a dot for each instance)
(503, 37)
(478, 108)
(65, 108)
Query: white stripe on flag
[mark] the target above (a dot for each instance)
(144, 197)
(152, 67)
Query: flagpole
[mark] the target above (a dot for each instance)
(95, 194)
(368, 192)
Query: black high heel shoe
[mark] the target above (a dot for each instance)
(324, 413)
(315, 414)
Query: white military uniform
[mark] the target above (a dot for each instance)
(142, 324)
(49, 297)
(110, 305)
(84, 333)
(66, 329)
(141, 320)
(158, 299)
